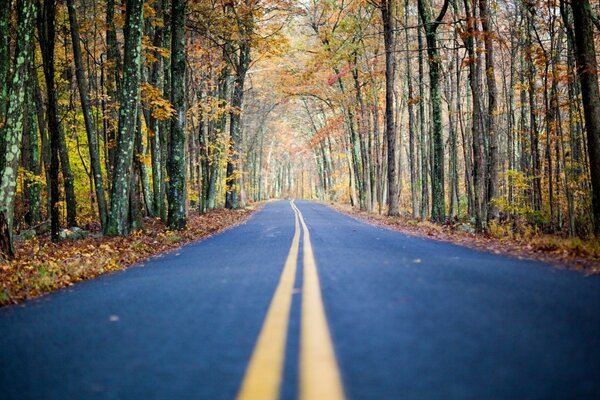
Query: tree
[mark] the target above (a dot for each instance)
(492, 111)
(47, 35)
(10, 143)
(387, 14)
(479, 170)
(118, 217)
(587, 70)
(90, 129)
(241, 63)
(177, 158)
(438, 204)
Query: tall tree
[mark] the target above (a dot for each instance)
(479, 170)
(587, 70)
(413, 163)
(492, 110)
(113, 84)
(118, 218)
(438, 203)
(47, 35)
(388, 16)
(241, 61)
(90, 129)
(10, 143)
(176, 162)
(156, 132)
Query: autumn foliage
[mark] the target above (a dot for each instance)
(41, 266)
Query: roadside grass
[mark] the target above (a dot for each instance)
(524, 243)
(41, 266)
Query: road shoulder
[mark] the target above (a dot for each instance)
(41, 267)
(537, 249)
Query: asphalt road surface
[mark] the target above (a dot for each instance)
(303, 302)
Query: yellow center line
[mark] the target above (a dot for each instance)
(262, 380)
(319, 372)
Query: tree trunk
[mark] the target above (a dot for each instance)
(477, 123)
(33, 184)
(176, 162)
(87, 114)
(438, 202)
(118, 217)
(587, 70)
(113, 84)
(158, 181)
(492, 111)
(413, 163)
(140, 153)
(68, 178)
(234, 171)
(387, 11)
(47, 36)
(13, 131)
(534, 147)
(423, 135)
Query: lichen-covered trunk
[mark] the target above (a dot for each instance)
(13, 127)
(4, 63)
(438, 201)
(90, 129)
(176, 164)
(118, 222)
(587, 70)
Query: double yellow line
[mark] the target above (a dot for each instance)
(319, 372)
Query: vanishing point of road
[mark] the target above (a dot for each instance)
(303, 302)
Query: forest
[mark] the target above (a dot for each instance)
(484, 112)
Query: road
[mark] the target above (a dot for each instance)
(303, 302)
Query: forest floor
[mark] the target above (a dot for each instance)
(570, 253)
(41, 266)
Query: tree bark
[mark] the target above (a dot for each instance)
(118, 223)
(158, 181)
(13, 130)
(234, 170)
(47, 36)
(477, 122)
(387, 13)
(4, 63)
(438, 201)
(177, 217)
(492, 111)
(587, 70)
